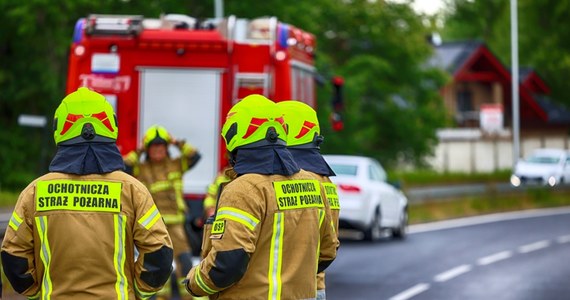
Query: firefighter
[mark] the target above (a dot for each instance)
(86, 230)
(303, 141)
(163, 177)
(271, 218)
(213, 191)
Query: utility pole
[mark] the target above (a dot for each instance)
(515, 82)
(218, 9)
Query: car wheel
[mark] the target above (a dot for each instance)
(374, 232)
(401, 231)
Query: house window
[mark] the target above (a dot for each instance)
(464, 102)
(465, 115)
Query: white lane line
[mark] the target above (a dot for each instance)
(494, 258)
(452, 273)
(563, 239)
(411, 292)
(534, 246)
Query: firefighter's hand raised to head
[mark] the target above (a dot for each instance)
(178, 142)
(140, 149)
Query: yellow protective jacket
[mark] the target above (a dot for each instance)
(332, 198)
(97, 236)
(164, 180)
(213, 189)
(272, 234)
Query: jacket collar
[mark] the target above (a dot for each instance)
(87, 158)
(311, 160)
(268, 160)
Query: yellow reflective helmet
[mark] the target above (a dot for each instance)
(84, 116)
(302, 124)
(255, 121)
(156, 134)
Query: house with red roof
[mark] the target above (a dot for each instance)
(478, 80)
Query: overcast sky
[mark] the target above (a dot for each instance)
(425, 6)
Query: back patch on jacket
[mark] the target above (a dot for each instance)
(298, 194)
(93, 196)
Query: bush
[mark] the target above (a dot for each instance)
(17, 180)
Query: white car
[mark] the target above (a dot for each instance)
(543, 167)
(368, 203)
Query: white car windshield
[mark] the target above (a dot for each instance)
(542, 159)
(344, 169)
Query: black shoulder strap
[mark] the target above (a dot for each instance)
(211, 218)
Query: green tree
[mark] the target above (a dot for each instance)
(544, 42)
(393, 107)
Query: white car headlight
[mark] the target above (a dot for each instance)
(515, 180)
(551, 181)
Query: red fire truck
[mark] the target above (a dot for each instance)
(185, 74)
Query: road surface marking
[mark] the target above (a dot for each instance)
(563, 239)
(534, 246)
(411, 292)
(449, 274)
(494, 258)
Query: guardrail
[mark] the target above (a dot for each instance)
(434, 193)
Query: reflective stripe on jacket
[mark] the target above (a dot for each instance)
(332, 198)
(269, 236)
(73, 236)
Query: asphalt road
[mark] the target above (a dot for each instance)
(509, 256)
(5, 215)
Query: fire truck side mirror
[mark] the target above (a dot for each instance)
(337, 103)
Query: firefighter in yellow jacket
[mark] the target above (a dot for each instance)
(86, 230)
(272, 232)
(303, 141)
(163, 177)
(213, 190)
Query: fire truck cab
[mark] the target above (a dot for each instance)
(185, 74)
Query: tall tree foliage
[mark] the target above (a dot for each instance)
(392, 103)
(545, 42)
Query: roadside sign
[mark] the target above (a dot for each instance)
(491, 117)
(32, 121)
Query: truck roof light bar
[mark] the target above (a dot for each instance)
(114, 25)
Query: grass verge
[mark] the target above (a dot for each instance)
(486, 204)
(8, 199)
(420, 178)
